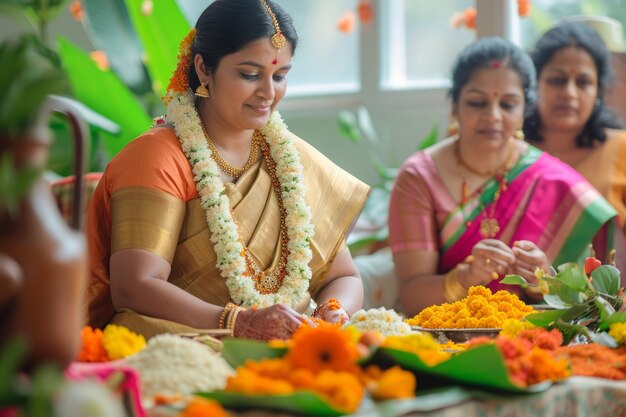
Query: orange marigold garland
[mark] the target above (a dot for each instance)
(468, 16)
(179, 83)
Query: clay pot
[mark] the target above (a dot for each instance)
(43, 268)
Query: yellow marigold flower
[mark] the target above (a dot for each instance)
(119, 342)
(342, 389)
(618, 332)
(395, 383)
(513, 327)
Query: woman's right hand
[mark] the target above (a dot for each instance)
(490, 258)
(275, 322)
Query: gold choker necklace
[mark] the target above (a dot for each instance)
(224, 165)
(498, 171)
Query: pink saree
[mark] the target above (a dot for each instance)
(546, 202)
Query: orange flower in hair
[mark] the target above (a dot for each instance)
(179, 83)
(321, 348)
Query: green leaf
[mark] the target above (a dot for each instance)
(111, 30)
(573, 277)
(430, 139)
(160, 34)
(606, 279)
(348, 126)
(104, 93)
(481, 366)
(236, 351)
(301, 403)
(576, 311)
(545, 318)
(605, 308)
(555, 301)
(514, 280)
(569, 331)
(11, 357)
(619, 317)
(559, 288)
(366, 126)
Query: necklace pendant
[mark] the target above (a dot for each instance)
(489, 227)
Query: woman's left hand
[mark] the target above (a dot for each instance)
(528, 257)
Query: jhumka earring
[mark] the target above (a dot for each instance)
(519, 134)
(278, 40)
(202, 91)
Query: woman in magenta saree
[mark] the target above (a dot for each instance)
(482, 204)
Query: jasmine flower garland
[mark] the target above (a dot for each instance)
(227, 242)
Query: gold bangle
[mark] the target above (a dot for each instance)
(232, 317)
(221, 324)
(452, 289)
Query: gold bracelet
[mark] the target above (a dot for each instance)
(452, 289)
(221, 324)
(232, 317)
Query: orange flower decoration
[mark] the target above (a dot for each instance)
(523, 8)
(469, 17)
(92, 348)
(101, 60)
(321, 348)
(77, 11)
(346, 22)
(366, 12)
(201, 407)
(179, 83)
(394, 383)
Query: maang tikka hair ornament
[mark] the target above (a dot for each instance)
(278, 39)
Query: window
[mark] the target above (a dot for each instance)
(546, 13)
(418, 45)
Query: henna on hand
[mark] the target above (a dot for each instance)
(274, 322)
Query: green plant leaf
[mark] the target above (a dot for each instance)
(430, 139)
(236, 351)
(606, 279)
(555, 302)
(348, 128)
(160, 33)
(572, 276)
(365, 124)
(576, 311)
(110, 29)
(605, 309)
(104, 93)
(545, 318)
(11, 357)
(514, 280)
(569, 331)
(619, 317)
(301, 403)
(559, 288)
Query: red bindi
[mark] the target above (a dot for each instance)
(275, 61)
(495, 64)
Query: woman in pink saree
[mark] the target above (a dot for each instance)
(483, 204)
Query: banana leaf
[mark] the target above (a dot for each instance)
(481, 366)
(103, 92)
(160, 32)
(301, 403)
(236, 351)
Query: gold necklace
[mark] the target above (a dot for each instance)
(498, 171)
(224, 165)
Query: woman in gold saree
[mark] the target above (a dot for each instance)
(219, 216)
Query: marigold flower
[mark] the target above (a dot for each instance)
(366, 12)
(202, 407)
(618, 332)
(321, 348)
(346, 22)
(77, 11)
(119, 342)
(395, 383)
(342, 389)
(523, 8)
(101, 60)
(92, 349)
